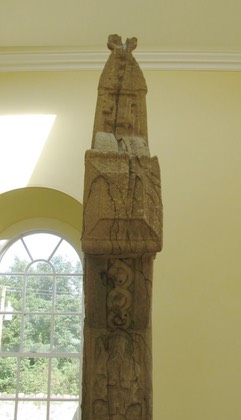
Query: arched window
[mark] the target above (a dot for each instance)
(41, 319)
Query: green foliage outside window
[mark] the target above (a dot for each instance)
(39, 302)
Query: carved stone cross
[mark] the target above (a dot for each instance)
(122, 231)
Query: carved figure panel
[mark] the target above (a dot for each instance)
(122, 394)
(121, 106)
(122, 204)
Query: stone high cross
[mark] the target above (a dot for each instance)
(122, 231)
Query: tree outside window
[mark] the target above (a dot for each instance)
(41, 318)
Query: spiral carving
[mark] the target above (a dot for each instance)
(119, 298)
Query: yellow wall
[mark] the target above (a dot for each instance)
(71, 96)
(194, 129)
(37, 208)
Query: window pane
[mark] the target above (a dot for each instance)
(32, 410)
(7, 410)
(39, 293)
(37, 333)
(11, 292)
(68, 294)
(67, 253)
(65, 377)
(16, 258)
(41, 303)
(67, 333)
(8, 375)
(10, 335)
(66, 410)
(41, 245)
(33, 377)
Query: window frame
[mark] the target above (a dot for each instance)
(49, 356)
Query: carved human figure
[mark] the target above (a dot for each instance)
(118, 390)
(121, 373)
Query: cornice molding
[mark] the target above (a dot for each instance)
(70, 60)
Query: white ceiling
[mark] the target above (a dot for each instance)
(159, 25)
